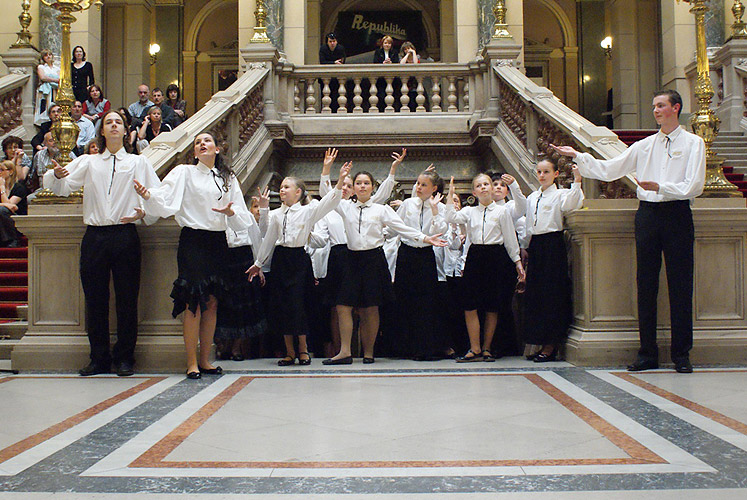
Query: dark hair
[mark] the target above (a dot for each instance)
(551, 161)
(127, 117)
(435, 179)
(10, 140)
(101, 140)
(304, 199)
(73, 53)
(330, 36)
(170, 88)
(99, 89)
(673, 96)
(494, 176)
(158, 89)
(223, 168)
(363, 172)
(87, 149)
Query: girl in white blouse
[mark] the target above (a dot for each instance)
(367, 283)
(293, 277)
(492, 264)
(548, 287)
(416, 279)
(503, 184)
(206, 199)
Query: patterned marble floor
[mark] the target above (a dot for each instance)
(395, 429)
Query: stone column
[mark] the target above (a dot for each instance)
(126, 61)
(465, 29)
(313, 31)
(50, 30)
(678, 47)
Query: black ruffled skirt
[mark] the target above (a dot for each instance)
(241, 313)
(202, 259)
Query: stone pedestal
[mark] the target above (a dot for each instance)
(23, 61)
(498, 53)
(56, 338)
(605, 324)
(731, 108)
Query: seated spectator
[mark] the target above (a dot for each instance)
(151, 127)
(92, 148)
(385, 54)
(167, 112)
(97, 105)
(55, 112)
(12, 201)
(87, 129)
(44, 160)
(13, 149)
(140, 106)
(408, 54)
(179, 105)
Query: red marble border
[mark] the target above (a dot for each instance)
(35, 439)
(155, 456)
(690, 405)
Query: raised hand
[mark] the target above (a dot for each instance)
(227, 210)
(395, 204)
(435, 200)
(59, 171)
(139, 189)
(450, 196)
(329, 158)
(129, 219)
(577, 175)
(398, 158)
(564, 150)
(507, 179)
(344, 172)
(431, 168)
(435, 240)
(264, 197)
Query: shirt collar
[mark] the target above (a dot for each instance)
(489, 207)
(672, 135)
(204, 168)
(549, 190)
(293, 208)
(120, 155)
(366, 204)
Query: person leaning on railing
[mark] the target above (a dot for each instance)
(332, 53)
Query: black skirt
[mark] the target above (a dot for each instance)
(415, 290)
(336, 265)
(240, 313)
(366, 281)
(489, 278)
(548, 290)
(291, 291)
(201, 259)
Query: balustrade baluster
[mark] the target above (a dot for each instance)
(373, 98)
(296, 98)
(357, 98)
(420, 99)
(310, 99)
(342, 100)
(452, 95)
(389, 99)
(466, 95)
(436, 95)
(404, 98)
(326, 99)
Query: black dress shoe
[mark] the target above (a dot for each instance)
(368, 361)
(211, 371)
(341, 361)
(545, 358)
(287, 361)
(304, 361)
(640, 365)
(125, 369)
(93, 369)
(194, 375)
(683, 366)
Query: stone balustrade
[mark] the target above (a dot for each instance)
(11, 102)
(383, 88)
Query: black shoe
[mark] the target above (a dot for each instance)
(93, 369)
(341, 361)
(368, 361)
(287, 361)
(194, 375)
(683, 366)
(545, 358)
(305, 361)
(211, 371)
(125, 369)
(642, 364)
(237, 357)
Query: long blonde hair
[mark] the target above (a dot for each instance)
(10, 166)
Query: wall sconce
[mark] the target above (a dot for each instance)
(607, 46)
(154, 49)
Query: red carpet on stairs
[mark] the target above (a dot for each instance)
(13, 281)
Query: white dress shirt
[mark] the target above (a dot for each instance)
(487, 225)
(291, 226)
(87, 132)
(675, 161)
(190, 192)
(365, 223)
(107, 180)
(380, 196)
(418, 214)
(517, 206)
(454, 252)
(546, 209)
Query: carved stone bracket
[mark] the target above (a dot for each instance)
(513, 112)
(11, 110)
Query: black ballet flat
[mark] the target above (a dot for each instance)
(341, 361)
(306, 361)
(368, 361)
(211, 371)
(287, 361)
(194, 375)
(544, 358)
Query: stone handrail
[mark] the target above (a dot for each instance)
(429, 87)
(234, 116)
(11, 102)
(532, 118)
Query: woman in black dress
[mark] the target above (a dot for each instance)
(81, 74)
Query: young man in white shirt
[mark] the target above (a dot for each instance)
(670, 171)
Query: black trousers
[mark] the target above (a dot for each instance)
(667, 228)
(111, 251)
